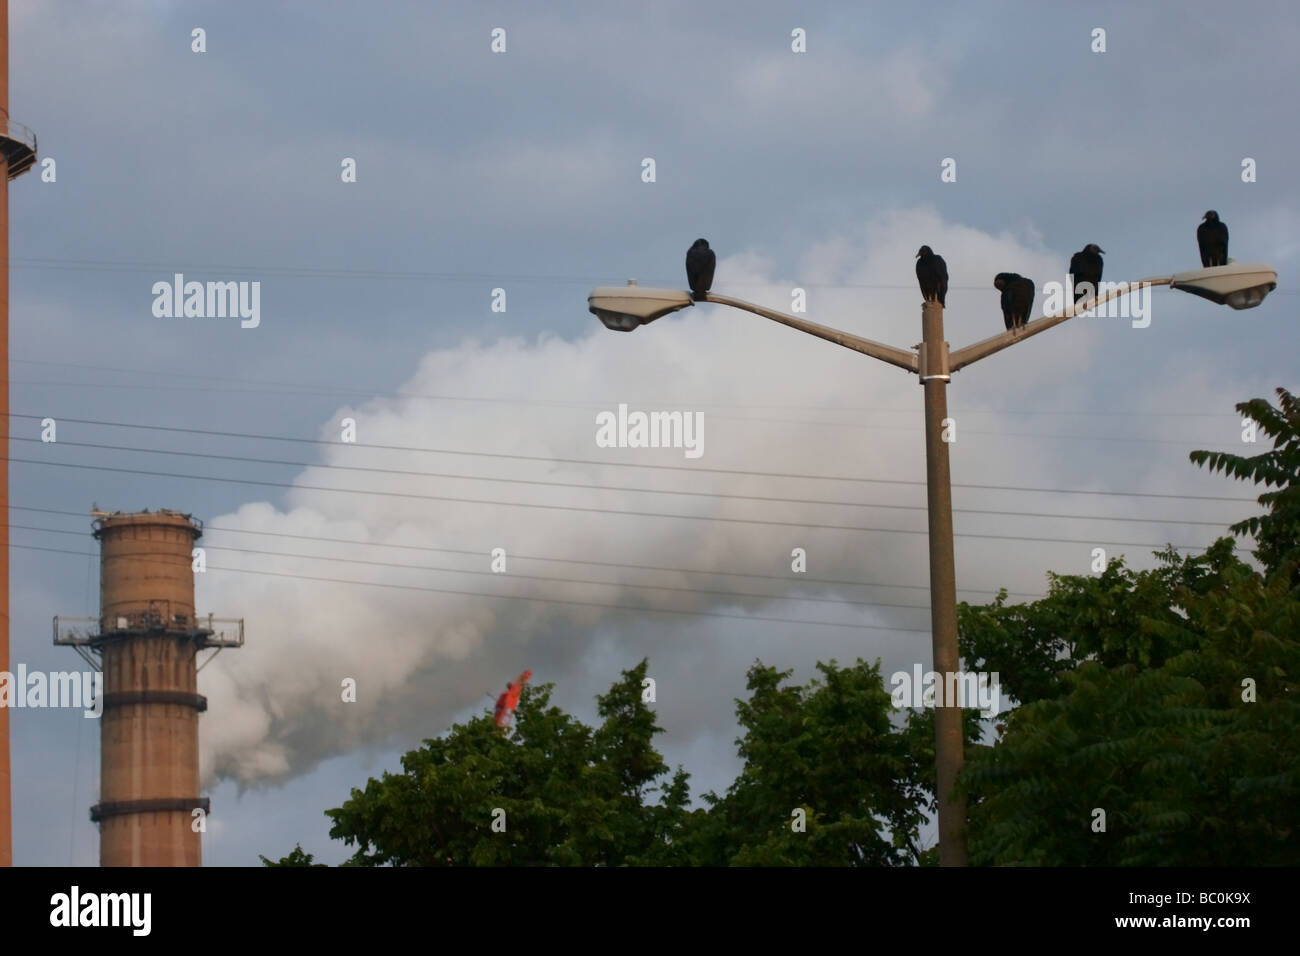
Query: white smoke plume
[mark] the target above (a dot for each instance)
(768, 395)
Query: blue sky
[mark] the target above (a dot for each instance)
(522, 171)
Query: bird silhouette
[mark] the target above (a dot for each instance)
(1017, 298)
(700, 262)
(1086, 266)
(1212, 237)
(932, 274)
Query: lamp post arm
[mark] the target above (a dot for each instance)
(973, 353)
(886, 353)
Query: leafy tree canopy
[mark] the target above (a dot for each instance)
(559, 792)
(1166, 699)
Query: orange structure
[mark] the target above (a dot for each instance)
(509, 698)
(17, 154)
(147, 641)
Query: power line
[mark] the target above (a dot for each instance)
(620, 464)
(855, 426)
(804, 526)
(532, 557)
(614, 488)
(530, 577)
(335, 389)
(333, 272)
(516, 597)
(284, 388)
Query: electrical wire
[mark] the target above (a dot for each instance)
(617, 464)
(370, 390)
(856, 426)
(613, 488)
(333, 272)
(514, 597)
(801, 525)
(480, 552)
(528, 577)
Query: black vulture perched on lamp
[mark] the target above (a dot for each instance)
(1212, 237)
(1017, 298)
(700, 262)
(1085, 266)
(932, 274)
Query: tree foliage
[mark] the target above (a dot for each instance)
(575, 795)
(564, 793)
(296, 857)
(1277, 532)
(830, 750)
(1154, 726)
(1165, 698)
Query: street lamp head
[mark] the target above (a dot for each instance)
(627, 308)
(1236, 285)
(618, 322)
(1249, 298)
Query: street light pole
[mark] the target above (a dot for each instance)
(949, 751)
(1236, 285)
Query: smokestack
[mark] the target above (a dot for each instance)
(17, 154)
(147, 641)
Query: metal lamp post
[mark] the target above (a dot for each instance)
(624, 309)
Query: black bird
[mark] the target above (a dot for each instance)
(1212, 237)
(700, 262)
(1085, 266)
(932, 273)
(1017, 298)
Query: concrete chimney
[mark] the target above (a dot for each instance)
(147, 641)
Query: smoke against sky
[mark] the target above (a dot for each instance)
(421, 655)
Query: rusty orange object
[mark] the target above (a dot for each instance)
(509, 698)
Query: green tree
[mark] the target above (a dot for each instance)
(1191, 766)
(570, 794)
(296, 857)
(1165, 698)
(827, 754)
(1277, 532)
